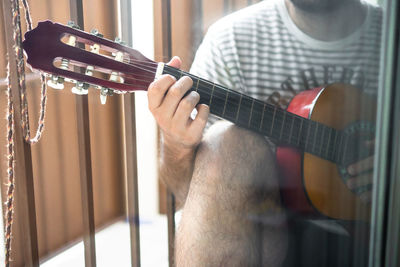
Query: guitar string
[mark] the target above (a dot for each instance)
(151, 64)
(150, 67)
(320, 144)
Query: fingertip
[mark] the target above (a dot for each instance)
(203, 111)
(175, 62)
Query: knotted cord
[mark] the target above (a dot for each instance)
(16, 21)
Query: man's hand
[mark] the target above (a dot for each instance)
(361, 173)
(172, 111)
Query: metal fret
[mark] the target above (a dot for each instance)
(344, 147)
(329, 142)
(226, 100)
(334, 145)
(283, 123)
(237, 114)
(212, 93)
(340, 146)
(273, 119)
(181, 74)
(251, 112)
(308, 134)
(315, 137)
(262, 117)
(322, 140)
(291, 129)
(299, 135)
(197, 84)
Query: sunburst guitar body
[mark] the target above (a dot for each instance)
(316, 186)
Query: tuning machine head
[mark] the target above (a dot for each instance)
(56, 82)
(80, 88)
(104, 92)
(72, 24)
(118, 40)
(96, 33)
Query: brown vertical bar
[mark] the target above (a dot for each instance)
(227, 6)
(197, 23)
(128, 115)
(130, 152)
(24, 190)
(82, 112)
(167, 52)
(171, 227)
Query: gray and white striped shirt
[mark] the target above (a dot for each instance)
(261, 52)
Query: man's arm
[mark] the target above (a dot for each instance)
(180, 133)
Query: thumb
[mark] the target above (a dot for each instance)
(175, 62)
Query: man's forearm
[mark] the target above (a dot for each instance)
(176, 170)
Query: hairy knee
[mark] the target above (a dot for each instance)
(229, 154)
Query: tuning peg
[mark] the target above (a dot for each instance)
(64, 64)
(96, 32)
(89, 70)
(80, 88)
(73, 25)
(56, 82)
(104, 92)
(118, 40)
(103, 98)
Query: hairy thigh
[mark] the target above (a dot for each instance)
(233, 201)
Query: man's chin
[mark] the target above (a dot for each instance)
(317, 6)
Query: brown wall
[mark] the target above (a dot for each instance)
(55, 157)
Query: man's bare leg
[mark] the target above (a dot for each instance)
(232, 215)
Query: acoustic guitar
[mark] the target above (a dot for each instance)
(322, 131)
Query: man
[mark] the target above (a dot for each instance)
(227, 181)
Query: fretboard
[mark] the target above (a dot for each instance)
(281, 126)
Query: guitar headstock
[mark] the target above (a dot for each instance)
(86, 59)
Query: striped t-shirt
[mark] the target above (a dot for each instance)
(261, 52)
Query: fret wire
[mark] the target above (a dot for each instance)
(322, 140)
(315, 137)
(299, 135)
(283, 123)
(226, 100)
(262, 116)
(272, 124)
(345, 146)
(197, 84)
(251, 112)
(175, 71)
(340, 147)
(334, 144)
(240, 102)
(181, 74)
(211, 97)
(329, 142)
(308, 134)
(291, 130)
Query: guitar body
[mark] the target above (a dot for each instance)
(314, 186)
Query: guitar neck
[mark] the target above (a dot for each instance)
(281, 126)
